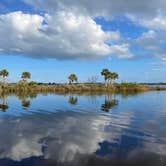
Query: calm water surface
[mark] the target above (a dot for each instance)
(72, 130)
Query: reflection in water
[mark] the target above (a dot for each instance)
(59, 137)
(126, 94)
(4, 107)
(3, 103)
(25, 99)
(73, 100)
(32, 95)
(65, 139)
(26, 103)
(127, 136)
(24, 96)
(109, 103)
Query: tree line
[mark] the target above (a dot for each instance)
(109, 76)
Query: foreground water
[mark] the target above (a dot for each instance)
(72, 130)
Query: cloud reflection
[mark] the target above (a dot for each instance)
(60, 136)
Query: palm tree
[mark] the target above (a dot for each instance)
(109, 77)
(115, 76)
(4, 73)
(25, 76)
(72, 78)
(112, 76)
(105, 73)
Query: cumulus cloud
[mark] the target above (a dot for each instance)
(149, 14)
(122, 51)
(110, 8)
(63, 35)
(152, 43)
(67, 30)
(158, 22)
(148, 40)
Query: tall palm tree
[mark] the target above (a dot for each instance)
(26, 75)
(72, 78)
(109, 76)
(105, 73)
(4, 73)
(115, 76)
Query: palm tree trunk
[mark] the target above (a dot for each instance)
(3, 82)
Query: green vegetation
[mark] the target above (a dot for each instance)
(132, 87)
(104, 73)
(33, 84)
(109, 86)
(72, 78)
(4, 73)
(109, 76)
(25, 76)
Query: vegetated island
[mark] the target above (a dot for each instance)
(73, 86)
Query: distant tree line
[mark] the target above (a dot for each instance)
(109, 77)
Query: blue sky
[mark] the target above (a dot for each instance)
(53, 39)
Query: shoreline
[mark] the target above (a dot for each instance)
(80, 88)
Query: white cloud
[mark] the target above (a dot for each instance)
(63, 35)
(122, 51)
(152, 43)
(68, 30)
(156, 23)
(148, 40)
(16, 28)
(150, 14)
(110, 8)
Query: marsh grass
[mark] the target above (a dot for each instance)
(24, 87)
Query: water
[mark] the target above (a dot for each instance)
(83, 130)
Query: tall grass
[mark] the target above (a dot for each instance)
(70, 88)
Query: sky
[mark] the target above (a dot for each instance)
(54, 38)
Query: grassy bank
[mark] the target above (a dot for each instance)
(23, 86)
(77, 88)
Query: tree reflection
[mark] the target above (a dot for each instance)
(3, 103)
(73, 100)
(25, 99)
(109, 103)
(26, 103)
(24, 96)
(33, 95)
(4, 107)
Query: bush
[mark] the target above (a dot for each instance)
(33, 83)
